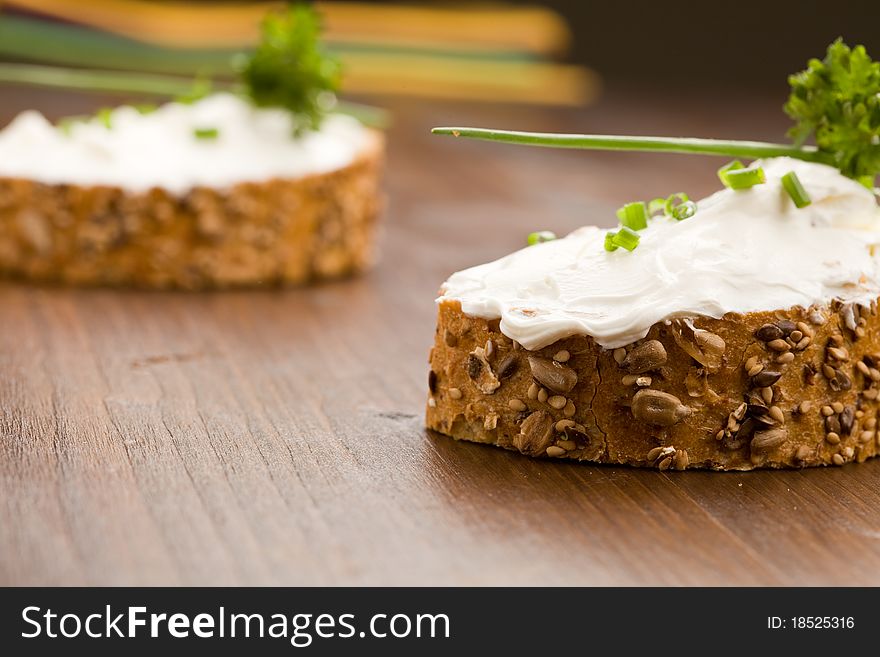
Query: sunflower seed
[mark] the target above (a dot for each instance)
(645, 357)
(555, 376)
(658, 408)
(536, 434)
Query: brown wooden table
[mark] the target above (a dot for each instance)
(275, 437)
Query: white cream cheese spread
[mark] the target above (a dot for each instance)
(160, 148)
(743, 251)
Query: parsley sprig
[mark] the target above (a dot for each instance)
(835, 101)
(290, 69)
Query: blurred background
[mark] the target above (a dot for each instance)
(562, 52)
(638, 67)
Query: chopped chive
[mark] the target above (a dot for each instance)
(105, 116)
(684, 210)
(627, 238)
(609, 241)
(634, 215)
(145, 108)
(735, 165)
(540, 236)
(206, 133)
(744, 178)
(657, 205)
(66, 124)
(678, 206)
(795, 189)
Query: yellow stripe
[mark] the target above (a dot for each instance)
(230, 25)
(550, 84)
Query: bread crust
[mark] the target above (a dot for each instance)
(277, 232)
(791, 388)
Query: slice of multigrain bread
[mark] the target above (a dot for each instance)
(791, 388)
(278, 232)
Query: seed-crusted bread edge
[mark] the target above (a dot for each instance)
(277, 232)
(791, 388)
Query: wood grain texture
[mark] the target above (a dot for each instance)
(276, 437)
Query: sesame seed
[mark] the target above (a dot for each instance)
(561, 356)
(838, 353)
(875, 374)
(558, 402)
(785, 358)
(803, 453)
(533, 391)
(569, 409)
(542, 395)
(837, 339)
(750, 363)
(779, 345)
(805, 407)
(629, 379)
(796, 336)
(567, 445)
(860, 332)
(827, 411)
(719, 435)
(847, 452)
(870, 393)
(665, 463)
(871, 423)
(805, 329)
(490, 348)
(767, 395)
(828, 371)
(654, 453)
(837, 459)
(864, 369)
(866, 436)
(832, 437)
(554, 451)
(776, 413)
(837, 406)
(516, 405)
(455, 393)
(804, 343)
(756, 369)
(619, 355)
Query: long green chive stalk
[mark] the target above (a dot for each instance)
(723, 147)
(149, 85)
(836, 101)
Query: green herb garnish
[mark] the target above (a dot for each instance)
(289, 69)
(625, 238)
(105, 116)
(206, 133)
(679, 206)
(742, 178)
(634, 215)
(540, 236)
(792, 184)
(736, 165)
(609, 241)
(836, 101)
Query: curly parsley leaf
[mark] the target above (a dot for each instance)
(289, 69)
(836, 101)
